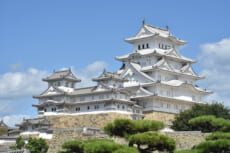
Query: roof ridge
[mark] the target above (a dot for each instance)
(84, 88)
(156, 27)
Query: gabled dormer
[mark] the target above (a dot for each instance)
(150, 37)
(112, 80)
(64, 78)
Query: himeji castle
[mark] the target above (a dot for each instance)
(154, 82)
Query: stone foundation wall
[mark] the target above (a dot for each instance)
(186, 140)
(62, 135)
(86, 120)
(159, 116)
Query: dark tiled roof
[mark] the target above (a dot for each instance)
(65, 74)
(109, 76)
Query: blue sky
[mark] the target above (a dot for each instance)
(37, 37)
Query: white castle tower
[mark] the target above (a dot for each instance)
(160, 79)
(155, 82)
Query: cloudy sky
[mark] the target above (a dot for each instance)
(37, 37)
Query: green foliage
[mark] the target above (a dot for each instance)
(218, 135)
(218, 146)
(20, 143)
(210, 123)
(72, 146)
(125, 127)
(217, 109)
(186, 151)
(126, 149)
(37, 145)
(153, 140)
(96, 146)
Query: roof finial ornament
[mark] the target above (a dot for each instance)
(143, 22)
(167, 27)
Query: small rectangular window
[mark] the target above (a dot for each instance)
(82, 98)
(139, 47)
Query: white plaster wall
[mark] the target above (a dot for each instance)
(153, 43)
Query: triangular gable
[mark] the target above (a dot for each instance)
(142, 92)
(133, 74)
(143, 31)
(187, 69)
(101, 87)
(173, 52)
(52, 90)
(163, 64)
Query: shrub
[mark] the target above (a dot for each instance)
(96, 146)
(218, 146)
(72, 146)
(37, 145)
(125, 127)
(216, 109)
(210, 123)
(153, 140)
(218, 135)
(186, 151)
(20, 143)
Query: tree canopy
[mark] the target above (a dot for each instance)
(153, 140)
(96, 146)
(210, 123)
(181, 122)
(125, 127)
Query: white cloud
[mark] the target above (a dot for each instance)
(215, 60)
(16, 66)
(16, 86)
(11, 120)
(21, 84)
(92, 70)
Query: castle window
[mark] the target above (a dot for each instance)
(147, 45)
(118, 106)
(107, 96)
(82, 98)
(139, 47)
(96, 107)
(168, 93)
(53, 109)
(92, 97)
(78, 109)
(193, 98)
(168, 106)
(72, 85)
(66, 84)
(162, 46)
(176, 106)
(159, 45)
(88, 107)
(101, 96)
(58, 83)
(45, 110)
(123, 107)
(143, 46)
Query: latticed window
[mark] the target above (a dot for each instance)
(78, 109)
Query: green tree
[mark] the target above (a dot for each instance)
(37, 145)
(154, 141)
(125, 127)
(218, 135)
(210, 123)
(217, 109)
(20, 143)
(96, 146)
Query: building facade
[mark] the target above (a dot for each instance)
(154, 78)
